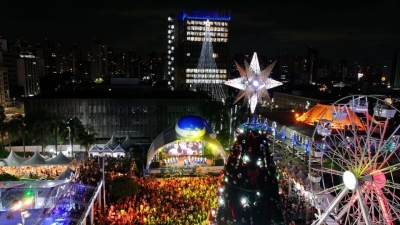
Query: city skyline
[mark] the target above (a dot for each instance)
(355, 32)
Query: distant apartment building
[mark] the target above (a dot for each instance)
(9, 89)
(285, 67)
(395, 78)
(98, 57)
(312, 64)
(52, 56)
(29, 71)
(74, 61)
(387, 70)
(4, 91)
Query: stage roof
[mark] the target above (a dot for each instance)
(194, 125)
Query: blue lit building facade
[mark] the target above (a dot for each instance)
(189, 35)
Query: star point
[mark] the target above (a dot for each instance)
(253, 83)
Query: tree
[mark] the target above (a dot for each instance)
(17, 128)
(3, 131)
(88, 137)
(76, 129)
(216, 113)
(8, 177)
(3, 125)
(38, 124)
(249, 194)
(57, 126)
(122, 187)
(224, 137)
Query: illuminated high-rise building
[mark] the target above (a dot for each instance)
(29, 71)
(190, 28)
(98, 57)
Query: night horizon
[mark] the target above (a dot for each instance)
(337, 32)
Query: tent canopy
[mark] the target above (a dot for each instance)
(112, 143)
(316, 187)
(118, 149)
(60, 159)
(106, 149)
(127, 143)
(36, 160)
(306, 181)
(324, 112)
(95, 148)
(293, 170)
(300, 175)
(14, 159)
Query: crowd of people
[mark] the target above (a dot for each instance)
(34, 172)
(174, 201)
(296, 209)
(180, 201)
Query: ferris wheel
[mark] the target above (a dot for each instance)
(354, 162)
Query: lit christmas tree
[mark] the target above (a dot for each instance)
(249, 193)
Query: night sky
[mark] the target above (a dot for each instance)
(355, 31)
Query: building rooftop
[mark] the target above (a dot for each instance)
(122, 93)
(289, 120)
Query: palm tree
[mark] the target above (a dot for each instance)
(17, 128)
(216, 114)
(88, 137)
(58, 127)
(38, 123)
(75, 128)
(3, 131)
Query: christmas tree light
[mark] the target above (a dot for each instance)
(249, 193)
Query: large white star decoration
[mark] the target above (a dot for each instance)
(253, 83)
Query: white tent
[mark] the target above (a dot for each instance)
(106, 151)
(60, 159)
(293, 170)
(300, 175)
(36, 160)
(118, 151)
(316, 187)
(95, 150)
(306, 182)
(14, 159)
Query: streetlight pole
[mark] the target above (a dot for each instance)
(273, 133)
(69, 136)
(104, 185)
